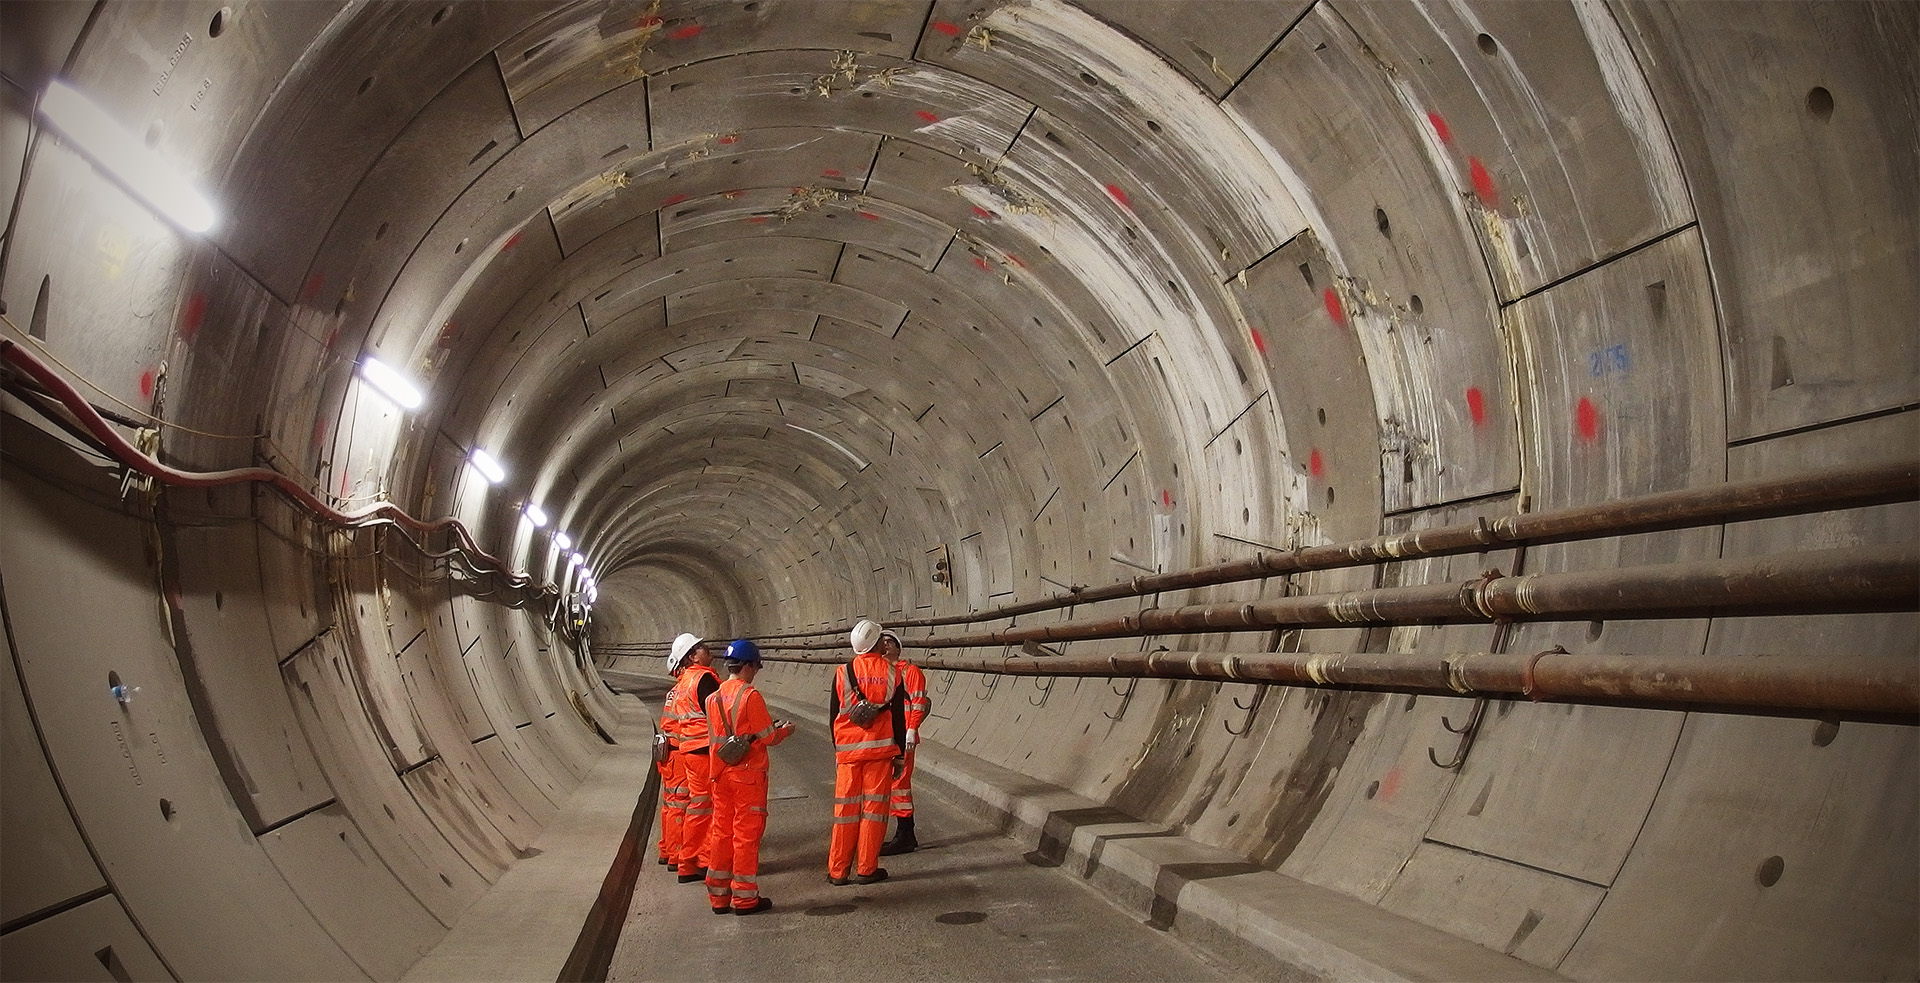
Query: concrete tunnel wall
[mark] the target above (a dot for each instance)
(771, 304)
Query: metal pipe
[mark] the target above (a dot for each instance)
(1821, 683)
(1815, 491)
(1872, 578)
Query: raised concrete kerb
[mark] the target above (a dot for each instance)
(1219, 901)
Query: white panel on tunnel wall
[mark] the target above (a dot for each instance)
(95, 941)
(1510, 908)
(46, 861)
(400, 831)
(1798, 135)
(137, 774)
(273, 773)
(343, 882)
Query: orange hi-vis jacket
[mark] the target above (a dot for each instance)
(877, 740)
(738, 708)
(914, 682)
(688, 717)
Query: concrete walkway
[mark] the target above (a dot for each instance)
(526, 925)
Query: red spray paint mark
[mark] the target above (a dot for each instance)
(831, 172)
(925, 115)
(951, 30)
(757, 219)
(313, 287)
(1482, 182)
(512, 241)
(1476, 405)
(983, 213)
(651, 20)
(869, 216)
(1389, 785)
(1334, 310)
(1316, 466)
(1259, 342)
(1166, 498)
(319, 431)
(672, 200)
(146, 384)
(191, 318)
(977, 261)
(1440, 126)
(1119, 196)
(1586, 416)
(731, 138)
(686, 32)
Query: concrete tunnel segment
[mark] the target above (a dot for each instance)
(769, 305)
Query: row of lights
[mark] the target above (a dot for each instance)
(153, 179)
(405, 394)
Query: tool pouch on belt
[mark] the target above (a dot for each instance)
(862, 711)
(661, 749)
(733, 747)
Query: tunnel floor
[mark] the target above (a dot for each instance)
(966, 906)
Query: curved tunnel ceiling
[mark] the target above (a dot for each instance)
(752, 286)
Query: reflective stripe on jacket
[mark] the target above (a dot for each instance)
(877, 740)
(684, 709)
(914, 682)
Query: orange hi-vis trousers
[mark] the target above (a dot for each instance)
(693, 835)
(902, 801)
(860, 791)
(673, 805)
(733, 845)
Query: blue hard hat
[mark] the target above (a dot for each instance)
(742, 650)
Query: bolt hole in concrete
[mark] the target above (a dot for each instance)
(1770, 870)
(1373, 790)
(1380, 221)
(218, 25)
(830, 909)
(1820, 102)
(1418, 307)
(961, 917)
(1488, 46)
(1824, 732)
(166, 810)
(1594, 628)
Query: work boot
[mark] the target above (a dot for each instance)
(903, 841)
(879, 874)
(698, 875)
(758, 906)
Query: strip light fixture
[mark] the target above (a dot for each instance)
(488, 466)
(391, 383)
(151, 177)
(536, 515)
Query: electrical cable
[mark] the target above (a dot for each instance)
(96, 427)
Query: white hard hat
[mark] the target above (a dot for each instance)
(681, 646)
(865, 636)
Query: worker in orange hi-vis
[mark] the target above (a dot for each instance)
(913, 684)
(869, 727)
(686, 706)
(673, 788)
(743, 730)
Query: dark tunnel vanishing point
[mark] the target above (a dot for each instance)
(783, 313)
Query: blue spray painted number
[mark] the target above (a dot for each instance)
(1612, 358)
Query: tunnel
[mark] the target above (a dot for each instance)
(387, 383)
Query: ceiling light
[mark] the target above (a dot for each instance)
(535, 515)
(575, 560)
(488, 466)
(563, 540)
(130, 162)
(391, 383)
